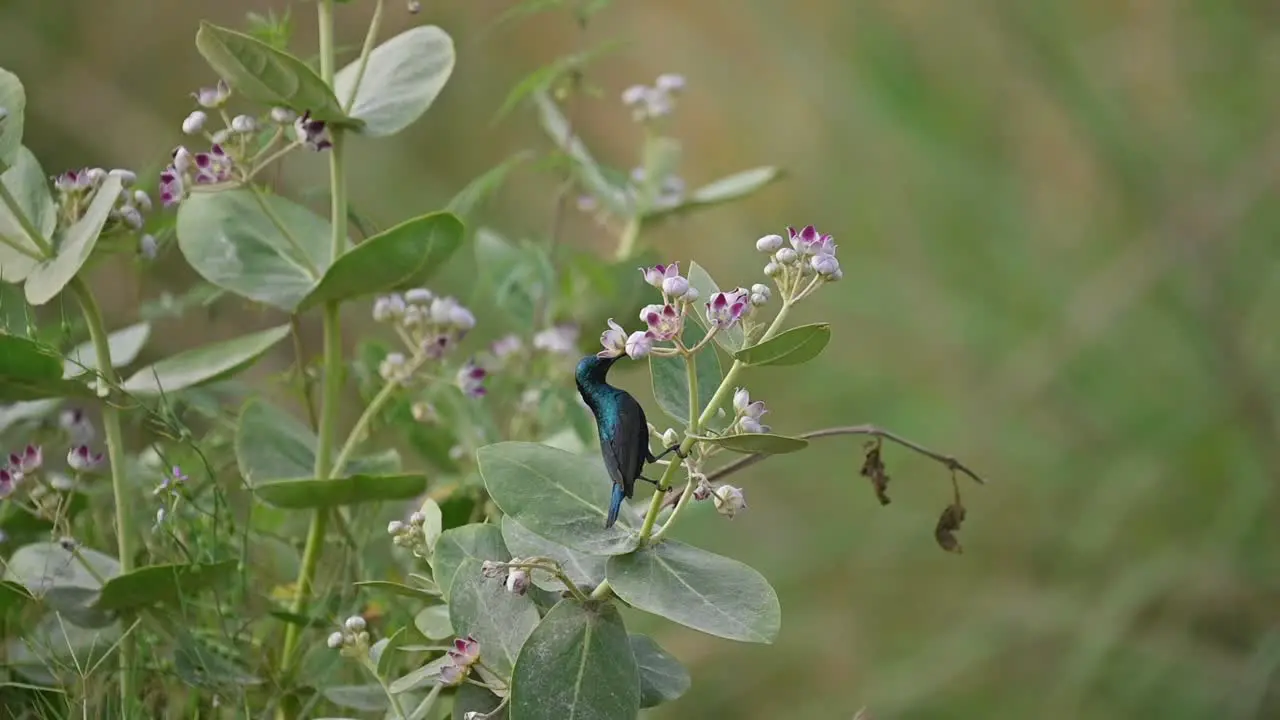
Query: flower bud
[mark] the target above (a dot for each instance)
(614, 340)
(213, 97)
(142, 200)
(148, 247)
(418, 296)
(395, 527)
(417, 518)
(518, 581)
(355, 624)
(335, 640)
(729, 500)
(670, 437)
(772, 269)
(181, 159)
(424, 412)
(243, 124)
(283, 116)
(127, 177)
(639, 343)
(95, 176)
(761, 289)
(80, 459)
(769, 243)
(690, 295)
(825, 265)
(786, 256)
(194, 122)
(669, 83)
(675, 286)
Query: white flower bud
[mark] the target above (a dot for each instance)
(355, 624)
(416, 519)
(194, 122)
(675, 286)
(826, 265)
(518, 581)
(786, 256)
(729, 500)
(243, 124)
(670, 437)
(639, 343)
(418, 296)
(769, 243)
(127, 177)
(283, 116)
(395, 527)
(142, 200)
(772, 269)
(335, 640)
(758, 300)
(96, 176)
(181, 159)
(690, 295)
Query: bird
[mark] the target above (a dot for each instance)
(622, 427)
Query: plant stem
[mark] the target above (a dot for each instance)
(362, 425)
(332, 360)
(627, 243)
(116, 458)
(425, 706)
(369, 39)
(726, 386)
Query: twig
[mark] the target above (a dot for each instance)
(950, 462)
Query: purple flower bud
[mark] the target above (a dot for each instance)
(76, 424)
(518, 581)
(29, 460)
(466, 650)
(729, 500)
(194, 122)
(769, 243)
(664, 321)
(675, 286)
(9, 479)
(751, 425)
(614, 340)
(243, 124)
(451, 675)
(639, 343)
(724, 309)
(313, 133)
(213, 97)
(283, 115)
(658, 274)
(809, 241)
(470, 379)
(80, 459)
(824, 264)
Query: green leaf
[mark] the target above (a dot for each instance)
(160, 584)
(478, 542)
(662, 677)
(55, 576)
(30, 371)
(56, 644)
(404, 255)
(698, 589)
(762, 443)
(560, 496)
(420, 677)
(732, 338)
(13, 102)
(730, 187)
(201, 663)
(231, 242)
(351, 490)
(588, 172)
(271, 444)
(432, 523)
(367, 698)
(50, 276)
(26, 181)
(395, 588)
(519, 275)
(576, 664)
(793, 347)
(670, 377)
(125, 345)
(204, 364)
(383, 652)
(265, 75)
(433, 622)
(470, 198)
(473, 698)
(482, 608)
(584, 570)
(403, 77)
(13, 597)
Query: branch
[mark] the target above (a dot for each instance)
(950, 462)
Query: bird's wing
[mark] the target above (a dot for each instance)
(628, 447)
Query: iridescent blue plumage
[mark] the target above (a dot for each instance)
(621, 424)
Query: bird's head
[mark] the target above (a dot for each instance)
(593, 369)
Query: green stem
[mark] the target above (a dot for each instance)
(362, 425)
(369, 39)
(116, 458)
(300, 255)
(386, 690)
(425, 706)
(722, 392)
(332, 391)
(627, 243)
(37, 239)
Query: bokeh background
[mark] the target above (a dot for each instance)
(1058, 225)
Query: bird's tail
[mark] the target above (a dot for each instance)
(615, 505)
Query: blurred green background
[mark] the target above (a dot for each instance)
(1058, 225)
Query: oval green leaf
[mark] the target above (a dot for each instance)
(576, 664)
(228, 239)
(499, 620)
(160, 585)
(433, 622)
(26, 181)
(30, 371)
(662, 677)
(420, 677)
(58, 578)
(477, 541)
(272, 444)
(584, 570)
(404, 255)
(48, 278)
(732, 338)
(266, 75)
(671, 378)
(395, 588)
(125, 345)
(403, 77)
(698, 589)
(758, 443)
(560, 496)
(730, 187)
(351, 490)
(204, 364)
(793, 347)
(13, 101)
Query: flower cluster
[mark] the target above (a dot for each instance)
(430, 326)
(515, 577)
(810, 254)
(75, 189)
(409, 535)
(465, 653)
(728, 499)
(747, 413)
(651, 102)
(19, 466)
(664, 322)
(352, 639)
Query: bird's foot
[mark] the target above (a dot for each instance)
(674, 448)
